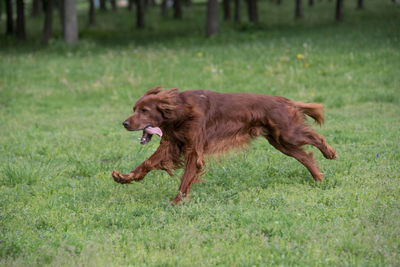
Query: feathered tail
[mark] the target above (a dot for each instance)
(314, 110)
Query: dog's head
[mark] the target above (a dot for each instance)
(156, 107)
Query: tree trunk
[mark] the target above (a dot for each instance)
(139, 14)
(92, 13)
(188, 2)
(310, 2)
(164, 9)
(212, 17)
(48, 22)
(103, 6)
(237, 11)
(279, 2)
(339, 10)
(227, 9)
(394, 1)
(20, 29)
(71, 22)
(252, 10)
(61, 10)
(299, 10)
(36, 6)
(10, 21)
(360, 4)
(114, 5)
(177, 9)
(130, 4)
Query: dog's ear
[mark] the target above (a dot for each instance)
(168, 102)
(155, 90)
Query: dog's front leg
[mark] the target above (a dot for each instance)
(136, 175)
(155, 161)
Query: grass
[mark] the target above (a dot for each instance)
(61, 110)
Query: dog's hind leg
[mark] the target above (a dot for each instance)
(317, 140)
(298, 153)
(193, 169)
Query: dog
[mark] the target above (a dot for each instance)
(195, 123)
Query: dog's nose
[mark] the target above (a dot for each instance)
(125, 123)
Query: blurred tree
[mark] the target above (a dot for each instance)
(10, 22)
(61, 12)
(178, 9)
(139, 14)
(164, 8)
(339, 10)
(147, 3)
(360, 4)
(113, 5)
(227, 9)
(103, 6)
(310, 2)
(48, 21)
(36, 7)
(212, 18)
(237, 11)
(298, 9)
(252, 10)
(70, 22)
(130, 4)
(92, 14)
(20, 25)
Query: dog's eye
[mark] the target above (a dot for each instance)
(143, 110)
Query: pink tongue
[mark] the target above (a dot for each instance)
(153, 130)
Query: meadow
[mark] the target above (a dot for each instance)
(61, 109)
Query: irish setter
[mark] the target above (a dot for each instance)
(194, 123)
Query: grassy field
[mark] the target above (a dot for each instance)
(61, 110)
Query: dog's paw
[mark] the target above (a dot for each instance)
(173, 203)
(121, 178)
(318, 177)
(331, 153)
(180, 199)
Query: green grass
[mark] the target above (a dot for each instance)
(61, 110)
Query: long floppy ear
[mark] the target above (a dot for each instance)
(168, 102)
(154, 91)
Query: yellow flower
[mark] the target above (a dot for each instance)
(312, 94)
(95, 84)
(307, 65)
(199, 54)
(300, 56)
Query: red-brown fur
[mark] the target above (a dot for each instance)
(199, 122)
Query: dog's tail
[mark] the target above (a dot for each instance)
(314, 110)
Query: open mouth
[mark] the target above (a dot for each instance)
(148, 134)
